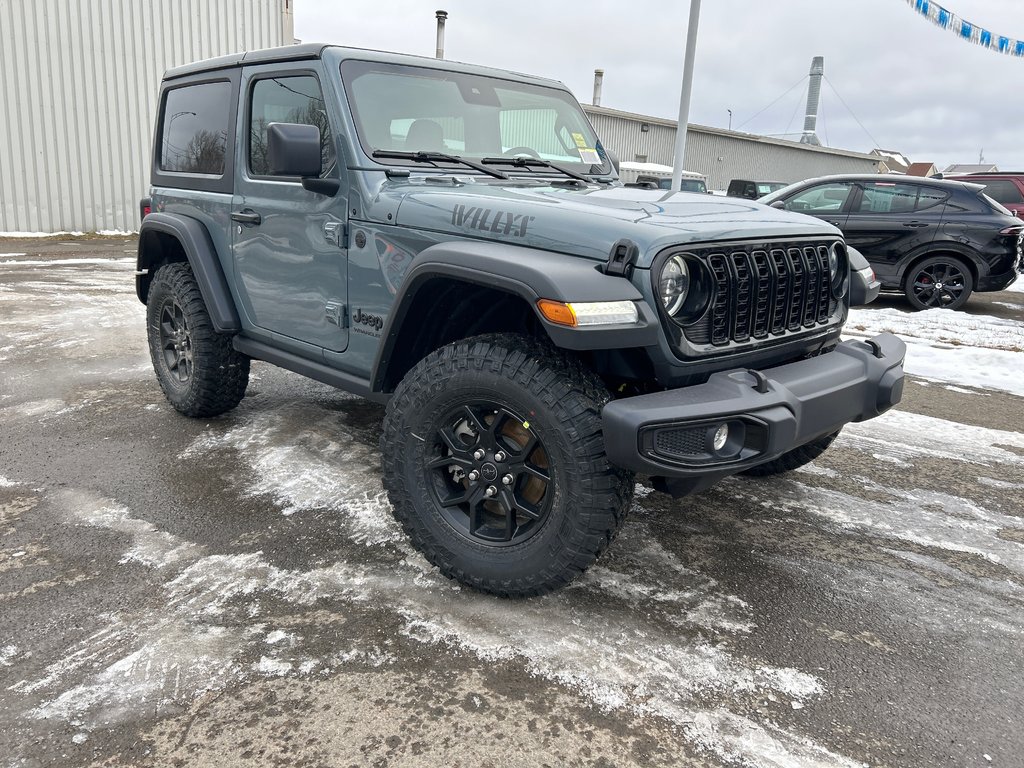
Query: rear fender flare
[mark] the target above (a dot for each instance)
(201, 253)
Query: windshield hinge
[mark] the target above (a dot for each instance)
(623, 256)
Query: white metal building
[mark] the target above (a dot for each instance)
(78, 93)
(719, 154)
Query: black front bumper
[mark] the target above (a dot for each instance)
(670, 435)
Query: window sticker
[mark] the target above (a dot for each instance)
(589, 156)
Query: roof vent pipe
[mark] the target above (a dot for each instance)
(442, 16)
(598, 80)
(813, 102)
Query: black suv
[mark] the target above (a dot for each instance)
(751, 190)
(452, 241)
(935, 240)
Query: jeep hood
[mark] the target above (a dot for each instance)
(588, 222)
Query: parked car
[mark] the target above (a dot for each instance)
(936, 240)
(1006, 188)
(752, 190)
(657, 176)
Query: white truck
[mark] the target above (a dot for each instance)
(660, 176)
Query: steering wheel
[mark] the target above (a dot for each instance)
(518, 151)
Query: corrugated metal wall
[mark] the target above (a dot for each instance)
(78, 89)
(723, 156)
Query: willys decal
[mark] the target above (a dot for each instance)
(489, 220)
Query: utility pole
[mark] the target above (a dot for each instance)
(684, 96)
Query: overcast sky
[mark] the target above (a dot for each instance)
(916, 88)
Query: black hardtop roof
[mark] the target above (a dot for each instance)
(315, 51)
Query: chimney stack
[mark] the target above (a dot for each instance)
(813, 102)
(442, 16)
(598, 80)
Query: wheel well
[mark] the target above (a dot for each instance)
(446, 310)
(155, 250)
(958, 256)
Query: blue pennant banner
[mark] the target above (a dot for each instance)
(965, 30)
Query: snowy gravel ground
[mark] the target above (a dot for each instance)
(235, 591)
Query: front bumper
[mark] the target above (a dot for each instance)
(670, 435)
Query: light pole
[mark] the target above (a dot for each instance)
(684, 95)
(730, 118)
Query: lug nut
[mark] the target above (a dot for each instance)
(478, 454)
(473, 475)
(491, 490)
(507, 479)
(500, 456)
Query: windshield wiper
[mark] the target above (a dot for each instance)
(435, 157)
(526, 162)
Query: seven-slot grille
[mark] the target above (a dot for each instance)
(762, 292)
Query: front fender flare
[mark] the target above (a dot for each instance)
(531, 274)
(201, 253)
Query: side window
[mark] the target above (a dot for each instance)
(1004, 191)
(930, 197)
(888, 197)
(194, 131)
(292, 99)
(823, 198)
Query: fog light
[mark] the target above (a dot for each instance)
(721, 437)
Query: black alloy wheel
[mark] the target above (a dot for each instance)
(176, 341)
(490, 475)
(495, 465)
(939, 282)
(199, 371)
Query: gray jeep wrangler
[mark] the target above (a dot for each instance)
(452, 241)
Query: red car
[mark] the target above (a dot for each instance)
(1006, 188)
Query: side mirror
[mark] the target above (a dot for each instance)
(614, 158)
(780, 204)
(293, 149)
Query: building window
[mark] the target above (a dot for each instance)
(640, 158)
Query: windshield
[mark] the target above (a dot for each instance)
(780, 192)
(418, 109)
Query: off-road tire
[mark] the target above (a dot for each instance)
(793, 459)
(560, 401)
(954, 294)
(217, 375)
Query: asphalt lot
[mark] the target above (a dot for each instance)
(235, 592)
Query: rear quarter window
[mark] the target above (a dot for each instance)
(194, 129)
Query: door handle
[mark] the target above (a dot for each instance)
(916, 224)
(247, 216)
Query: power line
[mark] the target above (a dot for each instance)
(784, 95)
(793, 116)
(876, 142)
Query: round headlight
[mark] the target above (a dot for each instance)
(674, 284)
(833, 262)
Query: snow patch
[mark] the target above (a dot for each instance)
(951, 346)
(274, 667)
(307, 460)
(6, 654)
